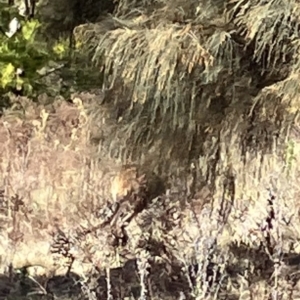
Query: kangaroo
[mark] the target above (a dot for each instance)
(133, 190)
(130, 191)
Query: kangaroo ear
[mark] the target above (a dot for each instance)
(142, 179)
(116, 186)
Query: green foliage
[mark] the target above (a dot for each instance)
(26, 51)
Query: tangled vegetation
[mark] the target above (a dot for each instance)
(150, 151)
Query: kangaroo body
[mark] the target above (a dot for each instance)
(133, 190)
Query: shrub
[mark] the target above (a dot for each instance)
(25, 56)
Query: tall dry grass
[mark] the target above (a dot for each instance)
(191, 94)
(54, 181)
(46, 162)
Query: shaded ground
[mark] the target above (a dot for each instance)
(163, 282)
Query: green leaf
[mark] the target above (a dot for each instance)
(29, 29)
(8, 75)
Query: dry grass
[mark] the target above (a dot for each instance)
(208, 215)
(46, 163)
(193, 99)
(187, 64)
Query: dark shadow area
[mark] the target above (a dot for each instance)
(263, 265)
(163, 282)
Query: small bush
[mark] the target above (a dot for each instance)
(25, 56)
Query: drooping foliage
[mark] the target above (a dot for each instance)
(190, 68)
